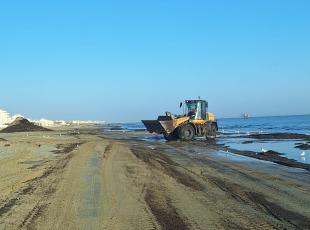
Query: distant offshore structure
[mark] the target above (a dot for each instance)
(246, 115)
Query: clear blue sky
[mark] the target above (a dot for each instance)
(130, 60)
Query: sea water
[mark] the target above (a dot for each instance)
(275, 124)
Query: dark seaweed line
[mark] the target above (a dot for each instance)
(167, 218)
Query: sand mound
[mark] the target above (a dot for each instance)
(23, 125)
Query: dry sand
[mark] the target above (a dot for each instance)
(87, 180)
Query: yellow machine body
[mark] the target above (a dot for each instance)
(179, 121)
(210, 117)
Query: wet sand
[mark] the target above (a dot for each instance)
(85, 179)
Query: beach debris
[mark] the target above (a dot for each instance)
(303, 153)
(21, 124)
(270, 153)
(247, 142)
(264, 150)
(116, 128)
(302, 146)
(269, 136)
(66, 148)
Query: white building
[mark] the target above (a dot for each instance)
(49, 123)
(4, 117)
(60, 122)
(87, 122)
(44, 122)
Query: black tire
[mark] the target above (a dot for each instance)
(186, 132)
(170, 136)
(213, 130)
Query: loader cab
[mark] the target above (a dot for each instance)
(196, 109)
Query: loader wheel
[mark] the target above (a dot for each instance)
(212, 134)
(186, 132)
(171, 136)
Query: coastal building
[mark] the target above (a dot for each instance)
(48, 123)
(77, 122)
(4, 117)
(61, 123)
(44, 122)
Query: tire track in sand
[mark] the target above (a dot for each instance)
(125, 180)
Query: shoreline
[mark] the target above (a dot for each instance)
(270, 155)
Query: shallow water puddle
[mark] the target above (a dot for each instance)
(286, 147)
(238, 158)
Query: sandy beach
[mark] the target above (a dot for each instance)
(155, 115)
(89, 179)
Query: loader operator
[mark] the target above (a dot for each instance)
(192, 113)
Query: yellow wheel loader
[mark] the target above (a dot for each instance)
(196, 121)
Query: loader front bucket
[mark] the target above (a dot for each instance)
(160, 127)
